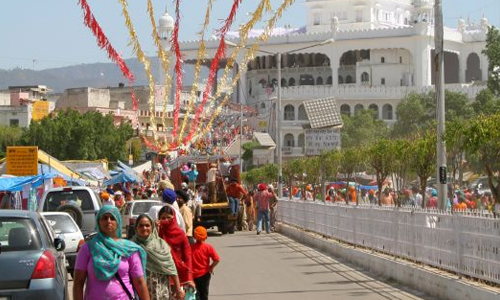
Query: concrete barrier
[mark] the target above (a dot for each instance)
(429, 280)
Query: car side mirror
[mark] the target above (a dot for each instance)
(59, 244)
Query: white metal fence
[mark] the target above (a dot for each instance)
(463, 244)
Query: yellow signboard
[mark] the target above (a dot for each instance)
(22, 161)
(40, 110)
(262, 124)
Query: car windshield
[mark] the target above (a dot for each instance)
(18, 234)
(62, 223)
(80, 198)
(142, 207)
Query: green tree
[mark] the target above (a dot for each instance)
(352, 160)
(416, 112)
(9, 136)
(362, 129)
(401, 148)
(247, 155)
(486, 103)
(483, 142)
(422, 158)
(492, 51)
(380, 159)
(71, 135)
(136, 148)
(455, 148)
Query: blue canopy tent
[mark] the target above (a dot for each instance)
(15, 184)
(120, 178)
(45, 169)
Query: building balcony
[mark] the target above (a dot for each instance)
(359, 91)
(293, 151)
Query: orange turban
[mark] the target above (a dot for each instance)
(104, 196)
(200, 233)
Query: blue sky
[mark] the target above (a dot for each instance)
(52, 31)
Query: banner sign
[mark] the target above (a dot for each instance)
(319, 140)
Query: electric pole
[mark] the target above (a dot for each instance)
(440, 98)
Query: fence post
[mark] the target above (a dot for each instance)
(458, 218)
(396, 232)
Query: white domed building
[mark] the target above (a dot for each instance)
(381, 51)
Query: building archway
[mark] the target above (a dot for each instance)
(451, 67)
(289, 113)
(374, 108)
(302, 140)
(348, 79)
(291, 82)
(319, 80)
(345, 109)
(473, 72)
(283, 82)
(387, 112)
(289, 140)
(358, 108)
(302, 113)
(341, 80)
(365, 78)
(329, 80)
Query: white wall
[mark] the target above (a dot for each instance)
(21, 113)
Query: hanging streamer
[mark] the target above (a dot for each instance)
(197, 69)
(214, 66)
(178, 67)
(264, 5)
(249, 56)
(103, 42)
(136, 46)
(165, 62)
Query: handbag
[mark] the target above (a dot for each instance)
(125, 288)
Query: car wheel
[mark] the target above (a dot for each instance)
(74, 211)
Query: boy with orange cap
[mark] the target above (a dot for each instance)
(205, 258)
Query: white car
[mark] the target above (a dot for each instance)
(132, 210)
(64, 226)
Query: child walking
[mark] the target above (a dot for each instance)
(205, 258)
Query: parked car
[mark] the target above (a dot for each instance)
(32, 260)
(80, 202)
(132, 210)
(64, 226)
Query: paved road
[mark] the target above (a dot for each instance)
(273, 267)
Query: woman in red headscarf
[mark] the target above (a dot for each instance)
(179, 245)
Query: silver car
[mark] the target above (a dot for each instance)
(132, 210)
(32, 261)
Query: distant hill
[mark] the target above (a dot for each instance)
(93, 75)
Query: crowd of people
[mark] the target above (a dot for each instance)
(458, 199)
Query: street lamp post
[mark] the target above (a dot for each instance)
(278, 105)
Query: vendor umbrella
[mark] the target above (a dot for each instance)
(120, 178)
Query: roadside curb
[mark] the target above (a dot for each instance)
(431, 281)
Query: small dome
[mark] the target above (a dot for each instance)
(166, 22)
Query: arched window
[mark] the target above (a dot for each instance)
(382, 60)
(473, 72)
(365, 78)
(329, 80)
(382, 81)
(345, 109)
(289, 113)
(358, 108)
(387, 112)
(283, 82)
(262, 105)
(302, 141)
(291, 82)
(302, 113)
(274, 82)
(289, 140)
(374, 108)
(341, 80)
(319, 80)
(348, 79)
